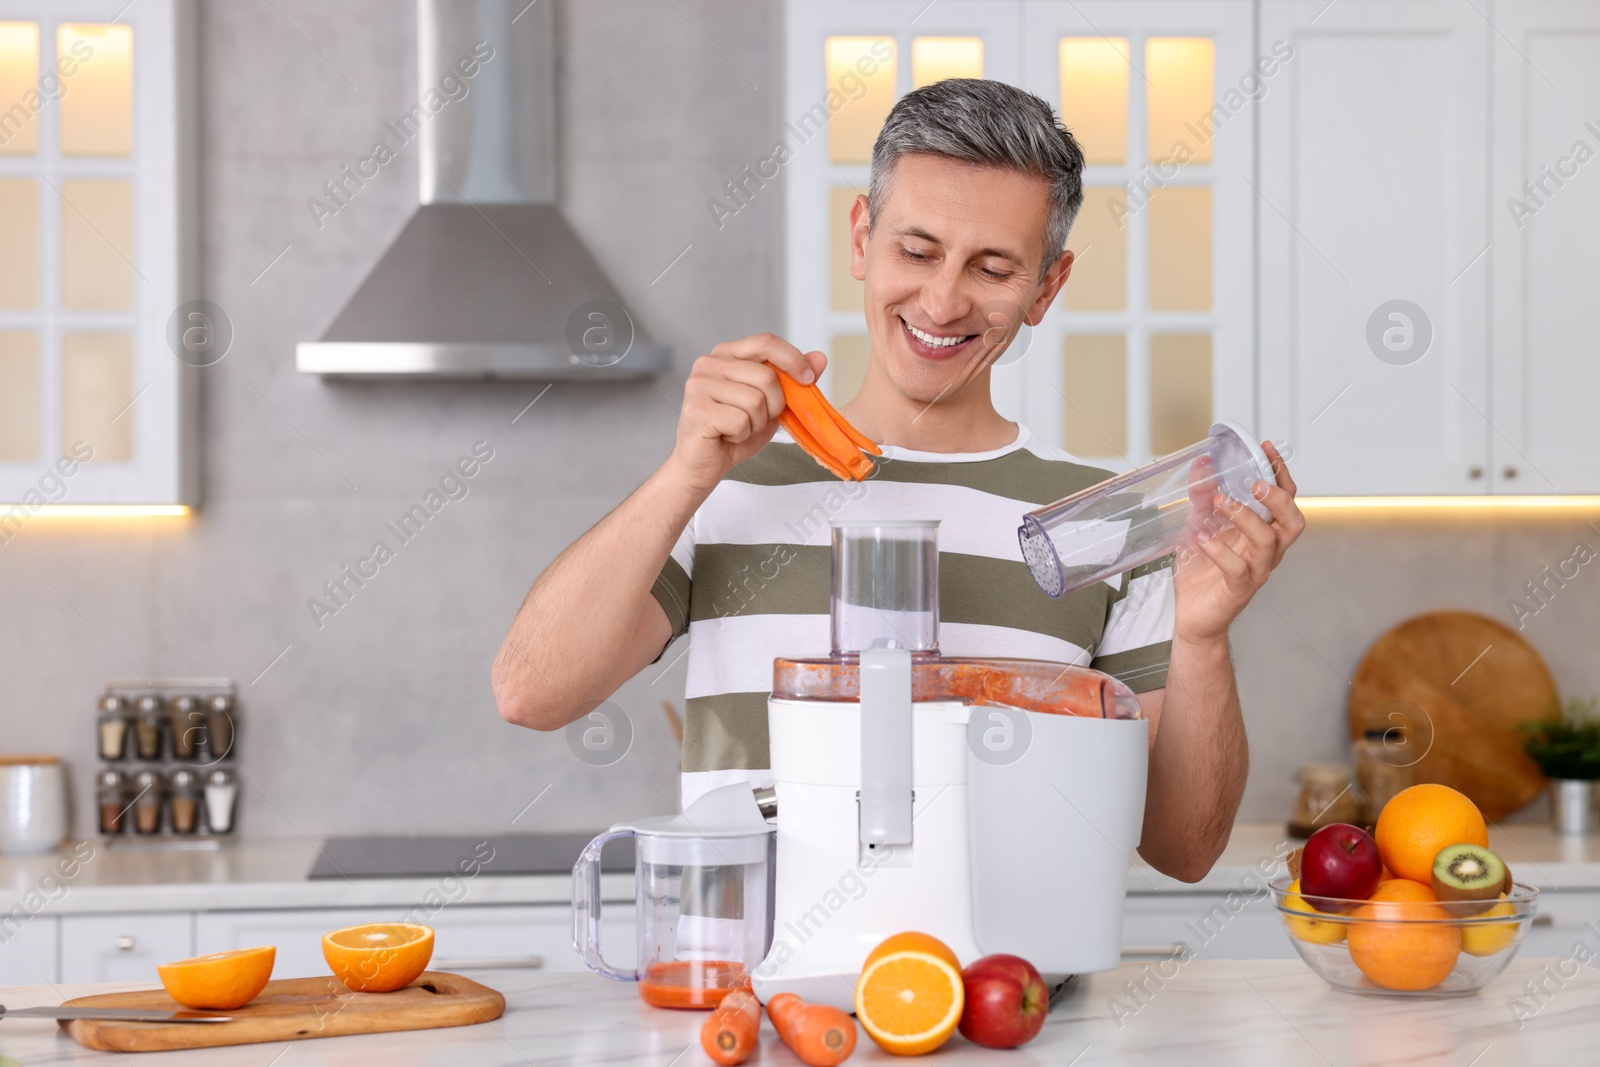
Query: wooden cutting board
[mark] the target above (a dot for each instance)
(293, 1009)
(1459, 683)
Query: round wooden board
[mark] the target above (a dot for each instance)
(1459, 683)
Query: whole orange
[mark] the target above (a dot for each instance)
(1393, 942)
(1420, 821)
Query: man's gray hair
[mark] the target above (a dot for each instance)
(992, 124)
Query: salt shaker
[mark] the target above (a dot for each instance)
(219, 726)
(222, 794)
(111, 795)
(188, 726)
(147, 727)
(147, 802)
(185, 801)
(113, 727)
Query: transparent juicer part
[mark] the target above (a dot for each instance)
(885, 585)
(1146, 513)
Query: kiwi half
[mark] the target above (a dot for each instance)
(1468, 873)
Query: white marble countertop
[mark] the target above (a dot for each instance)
(270, 872)
(1538, 857)
(1266, 1012)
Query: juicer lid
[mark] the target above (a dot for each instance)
(1235, 453)
(727, 811)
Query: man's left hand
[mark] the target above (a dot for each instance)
(1218, 574)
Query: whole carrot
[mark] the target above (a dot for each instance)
(819, 1035)
(730, 1032)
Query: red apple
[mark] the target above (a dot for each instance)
(1341, 861)
(1006, 1002)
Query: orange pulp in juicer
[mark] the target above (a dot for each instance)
(1028, 685)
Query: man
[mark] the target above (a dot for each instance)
(974, 185)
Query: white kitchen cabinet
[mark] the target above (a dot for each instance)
(123, 948)
(1546, 225)
(1374, 253)
(101, 335)
(466, 937)
(1152, 338)
(1214, 926)
(1564, 920)
(28, 954)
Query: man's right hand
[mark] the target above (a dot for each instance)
(731, 404)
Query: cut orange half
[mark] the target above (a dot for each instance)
(378, 957)
(909, 996)
(221, 981)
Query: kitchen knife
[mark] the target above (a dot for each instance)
(121, 1015)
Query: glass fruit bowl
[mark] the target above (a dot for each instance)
(1405, 948)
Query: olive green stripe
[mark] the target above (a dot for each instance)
(772, 579)
(725, 731)
(672, 591)
(1162, 564)
(1142, 669)
(1018, 475)
(995, 592)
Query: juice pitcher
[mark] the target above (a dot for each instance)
(704, 892)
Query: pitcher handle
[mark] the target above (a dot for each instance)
(586, 907)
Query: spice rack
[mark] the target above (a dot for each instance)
(167, 751)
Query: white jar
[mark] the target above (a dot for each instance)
(33, 804)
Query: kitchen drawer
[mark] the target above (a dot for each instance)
(1153, 924)
(29, 950)
(465, 938)
(123, 948)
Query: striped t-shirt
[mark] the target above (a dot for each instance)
(748, 582)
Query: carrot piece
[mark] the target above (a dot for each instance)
(819, 1035)
(802, 401)
(803, 438)
(730, 1032)
(857, 438)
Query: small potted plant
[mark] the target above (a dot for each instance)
(1566, 747)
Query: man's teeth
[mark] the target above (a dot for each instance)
(932, 341)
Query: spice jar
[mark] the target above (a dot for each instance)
(222, 793)
(184, 801)
(219, 726)
(147, 727)
(188, 727)
(111, 793)
(147, 787)
(1383, 768)
(1326, 796)
(113, 727)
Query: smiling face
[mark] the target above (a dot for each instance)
(951, 270)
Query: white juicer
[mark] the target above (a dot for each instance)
(992, 803)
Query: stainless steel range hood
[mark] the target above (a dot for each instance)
(487, 279)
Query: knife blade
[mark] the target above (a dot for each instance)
(122, 1015)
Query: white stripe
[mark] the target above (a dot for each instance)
(1143, 617)
(697, 784)
(734, 654)
(971, 521)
